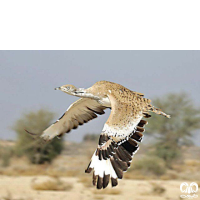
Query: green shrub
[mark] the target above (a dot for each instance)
(150, 164)
(35, 149)
(172, 133)
(168, 152)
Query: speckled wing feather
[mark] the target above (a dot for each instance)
(80, 112)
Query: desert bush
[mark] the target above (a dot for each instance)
(52, 184)
(99, 197)
(150, 164)
(192, 163)
(157, 189)
(168, 152)
(178, 130)
(35, 149)
(5, 155)
(91, 137)
(170, 175)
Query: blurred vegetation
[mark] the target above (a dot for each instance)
(157, 189)
(150, 164)
(177, 131)
(35, 149)
(6, 152)
(91, 137)
(52, 184)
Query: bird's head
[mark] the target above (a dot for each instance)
(71, 89)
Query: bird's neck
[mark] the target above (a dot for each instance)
(87, 95)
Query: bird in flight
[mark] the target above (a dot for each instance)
(122, 132)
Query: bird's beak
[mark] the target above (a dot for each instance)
(57, 88)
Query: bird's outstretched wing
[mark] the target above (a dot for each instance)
(118, 142)
(80, 112)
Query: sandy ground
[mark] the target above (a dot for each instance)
(19, 188)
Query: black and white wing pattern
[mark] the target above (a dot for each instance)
(118, 143)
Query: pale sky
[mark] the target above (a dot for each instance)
(28, 79)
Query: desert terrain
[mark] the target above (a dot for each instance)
(64, 178)
(21, 188)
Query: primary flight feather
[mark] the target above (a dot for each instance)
(122, 131)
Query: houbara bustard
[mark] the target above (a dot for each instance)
(121, 133)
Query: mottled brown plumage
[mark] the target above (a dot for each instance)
(127, 106)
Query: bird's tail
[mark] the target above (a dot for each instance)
(159, 112)
(103, 171)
